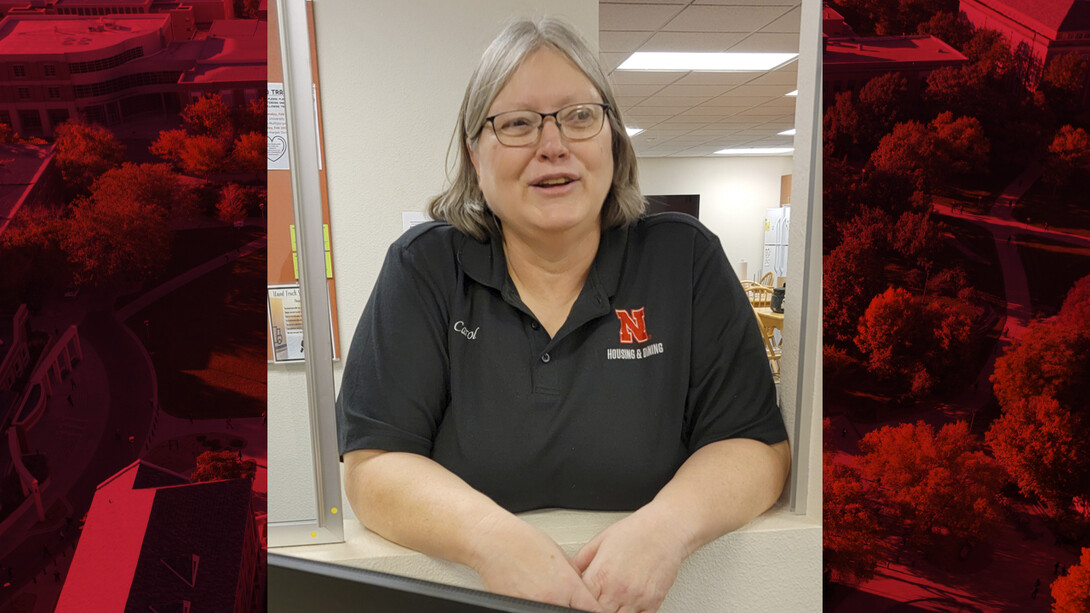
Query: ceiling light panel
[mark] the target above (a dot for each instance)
(706, 61)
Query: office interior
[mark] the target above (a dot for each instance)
(385, 60)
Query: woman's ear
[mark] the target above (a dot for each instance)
(473, 158)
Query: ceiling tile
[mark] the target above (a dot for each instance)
(661, 133)
(706, 91)
(722, 19)
(789, 22)
(715, 78)
(673, 101)
(643, 77)
(684, 152)
(694, 114)
(771, 142)
(786, 105)
(610, 61)
(629, 101)
(712, 111)
(636, 90)
(736, 120)
(786, 4)
(642, 17)
(732, 100)
(647, 115)
(651, 105)
(788, 75)
(780, 124)
(623, 42)
(693, 42)
(757, 89)
(768, 42)
(695, 138)
(758, 114)
(763, 134)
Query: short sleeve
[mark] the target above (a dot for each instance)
(731, 392)
(395, 383)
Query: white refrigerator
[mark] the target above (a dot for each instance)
(774, 258)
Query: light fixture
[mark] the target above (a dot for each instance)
(790, 132)
(632, 131)
(794, 93)
(756, 151)
(712, 62)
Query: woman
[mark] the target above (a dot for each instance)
(548, 346)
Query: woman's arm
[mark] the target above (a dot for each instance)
(632, 564)
(412, 500)
(722, 487)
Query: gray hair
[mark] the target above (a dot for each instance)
(462, 203)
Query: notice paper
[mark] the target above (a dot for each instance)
(286, 323)
(277, 128)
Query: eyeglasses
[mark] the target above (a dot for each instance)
(522, 128)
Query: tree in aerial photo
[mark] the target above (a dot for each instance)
(956, 313)
(132, 310)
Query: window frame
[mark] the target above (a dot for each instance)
(327, 526)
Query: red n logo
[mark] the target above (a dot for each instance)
(633, 327)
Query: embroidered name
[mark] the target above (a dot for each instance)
(460, 328)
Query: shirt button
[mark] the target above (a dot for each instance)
(545, 358)
(534, 325)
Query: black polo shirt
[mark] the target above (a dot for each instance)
(659, 356)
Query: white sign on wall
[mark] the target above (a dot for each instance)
(277, 128)
(286, 323)
(413, 218)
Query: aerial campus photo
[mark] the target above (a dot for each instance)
(132, 328)
(956, 305)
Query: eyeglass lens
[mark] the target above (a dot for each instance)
(576, 122)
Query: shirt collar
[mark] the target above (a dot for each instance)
(485, 263)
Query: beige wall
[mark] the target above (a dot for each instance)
(734, 193)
